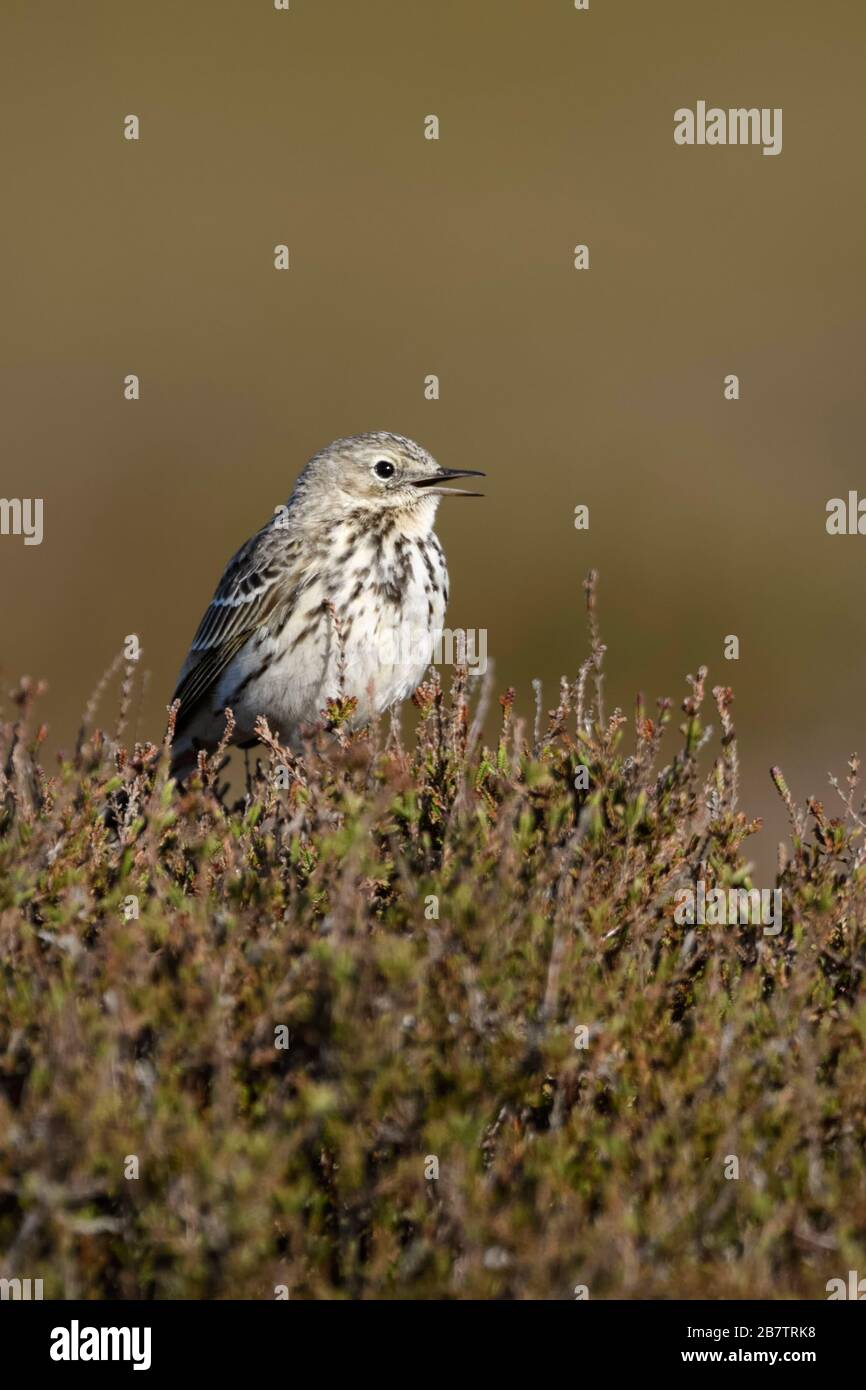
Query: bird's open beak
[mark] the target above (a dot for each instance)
(433, 481)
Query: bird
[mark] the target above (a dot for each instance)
(340, 594)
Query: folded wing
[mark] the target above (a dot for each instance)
(256, 588)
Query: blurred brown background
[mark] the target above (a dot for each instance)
(412, 257)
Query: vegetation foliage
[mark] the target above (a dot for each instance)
(433, 925)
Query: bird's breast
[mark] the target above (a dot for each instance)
(364, 626)
(390, 606)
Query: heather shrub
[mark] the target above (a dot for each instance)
(413, 1016)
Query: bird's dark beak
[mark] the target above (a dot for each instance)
(434, 481)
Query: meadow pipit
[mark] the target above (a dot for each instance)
(341, 594)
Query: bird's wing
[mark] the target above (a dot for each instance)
(258, 582)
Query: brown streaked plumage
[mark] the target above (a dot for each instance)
(345, 586)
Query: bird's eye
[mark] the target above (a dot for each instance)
(383, 469)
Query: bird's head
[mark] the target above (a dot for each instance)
(379, 472)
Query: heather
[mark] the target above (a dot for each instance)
(410, 1015)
